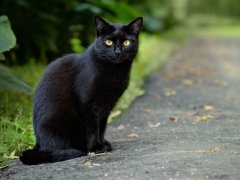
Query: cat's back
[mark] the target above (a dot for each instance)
(62, 67)
(60, 72)
(55, 87)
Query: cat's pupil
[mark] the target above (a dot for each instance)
(127, 42)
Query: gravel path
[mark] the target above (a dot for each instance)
(186, 126)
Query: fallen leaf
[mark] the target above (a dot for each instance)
(150, 110)
(132, 135)
(96, 164)
(219, 82)
(121, 127)
(174, 119)
(187, 82)
(208, 107)
(155, 95)
(213, 149)
(191, 113)
(201, 118)
(169, 92)
(154, 125)
(88, 163)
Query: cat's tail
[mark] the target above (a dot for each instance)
(36, 156)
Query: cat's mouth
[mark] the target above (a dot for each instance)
(119, 59)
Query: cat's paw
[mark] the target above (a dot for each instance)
(98, 148)
(107, 145)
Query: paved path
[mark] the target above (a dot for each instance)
(187, 126)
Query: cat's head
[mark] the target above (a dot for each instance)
(117, 43)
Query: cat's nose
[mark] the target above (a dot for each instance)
(118, 51)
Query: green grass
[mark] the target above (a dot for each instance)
(16, 115)
(16, 109)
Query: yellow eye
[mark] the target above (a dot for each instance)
(108, 42)
(126, 42)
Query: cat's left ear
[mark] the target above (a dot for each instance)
(135, 25)
(101, 25)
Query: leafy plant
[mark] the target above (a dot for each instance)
(7, 38)
(9, 81)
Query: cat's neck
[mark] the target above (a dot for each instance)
(114, 70)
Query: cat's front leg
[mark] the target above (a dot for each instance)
(102, 129)
(93, 139)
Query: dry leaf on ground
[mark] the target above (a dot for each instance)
(208, 107)
(174, 119)
(88, 163)
(219, 82)
(169, 92)
(204, 117)
(187, 82)
(121, 126)
(132, 135)
(154, 125)
(96, 154)
(150, 110)
(213, 149)
(96, 164)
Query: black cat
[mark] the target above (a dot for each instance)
(77, 93)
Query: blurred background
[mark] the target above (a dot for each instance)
(33, 33)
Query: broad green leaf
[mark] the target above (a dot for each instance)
(9, 81)
(7, 37)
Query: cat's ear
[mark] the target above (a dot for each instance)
(101, 25)
(135, 25)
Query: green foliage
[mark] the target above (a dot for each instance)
(7, 38)
(46, 29)
(76, 45)
(9, 82)
(16, 114)
(158, 15)
(15, 124)
(214, 7)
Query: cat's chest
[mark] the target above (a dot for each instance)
(101, 89)
(109, 86)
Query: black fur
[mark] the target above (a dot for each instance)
(77, 93)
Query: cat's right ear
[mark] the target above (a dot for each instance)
(135, 25)
(101, 25)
